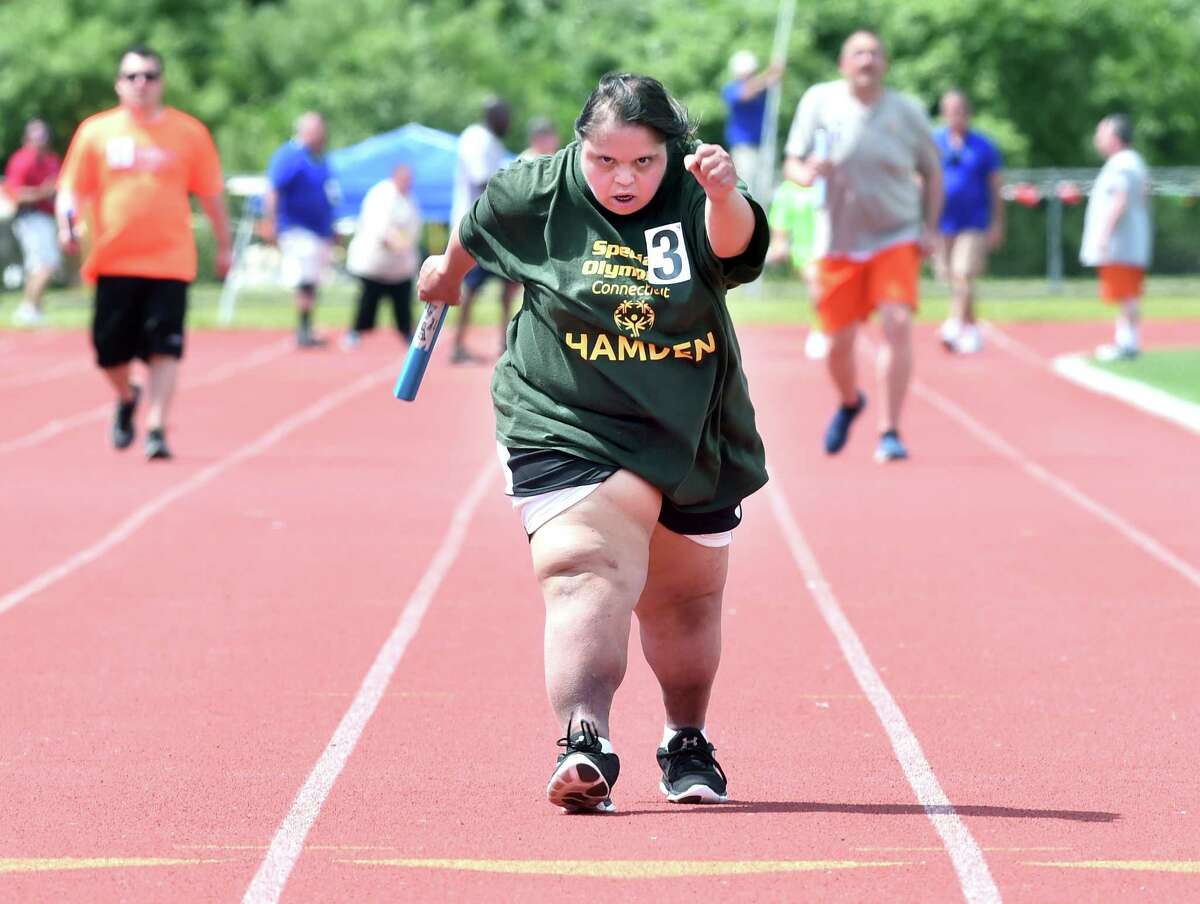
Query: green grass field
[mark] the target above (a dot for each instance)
(776, 302)
(1173, 370)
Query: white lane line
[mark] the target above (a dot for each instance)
(993, 440)
(286, 846)
(92, 415)
(974, 878)
(1014, 347)
(46, 374)
(133, 522)
(1140, 395)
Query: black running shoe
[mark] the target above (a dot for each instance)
(838, 430)
(122, 424)
(690, 772)
(584, 775)
(156, 445)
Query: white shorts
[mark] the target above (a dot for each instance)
(536, 510)
(37, 234)
(303, 257)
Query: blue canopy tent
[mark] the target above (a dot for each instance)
(430, 153)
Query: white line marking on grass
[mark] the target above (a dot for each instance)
(46, 374)
(1133, 392)
(92, 415)
(133, 522)
(993, 440)
(974, 878)
(286, 846)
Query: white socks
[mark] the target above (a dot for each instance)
(669, 732)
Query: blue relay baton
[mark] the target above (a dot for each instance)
(420, 351)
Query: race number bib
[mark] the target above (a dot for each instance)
(667, 255)
(120, 153)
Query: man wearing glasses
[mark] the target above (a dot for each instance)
(126, 181)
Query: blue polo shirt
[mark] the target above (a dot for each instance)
(745, 122)
(302, 184)
(967, 171)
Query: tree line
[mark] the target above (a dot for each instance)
(1040, 75)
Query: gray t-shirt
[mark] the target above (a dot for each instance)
(873, 197)
(1132, 240)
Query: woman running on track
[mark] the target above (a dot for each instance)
(622, 415)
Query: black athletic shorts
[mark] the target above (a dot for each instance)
(537, 471)
(138, 317)
(477, 276)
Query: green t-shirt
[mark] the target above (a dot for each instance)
(794, 211)
(623, 351)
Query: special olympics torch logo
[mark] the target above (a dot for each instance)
(634, 317)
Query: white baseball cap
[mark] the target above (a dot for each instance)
(743, 64)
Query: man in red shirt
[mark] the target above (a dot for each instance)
(29, 179)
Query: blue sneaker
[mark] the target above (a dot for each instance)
(890, 448)
(838, 430)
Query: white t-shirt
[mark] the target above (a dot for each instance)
(872, 197)
(1132, 240)
(385, 211)
(480, 155)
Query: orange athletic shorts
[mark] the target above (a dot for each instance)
(1121, 282)
(850, 290)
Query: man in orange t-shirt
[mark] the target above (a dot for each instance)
(128, 174)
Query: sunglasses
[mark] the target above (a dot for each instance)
(143, 76)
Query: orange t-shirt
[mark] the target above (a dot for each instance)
(132, 180)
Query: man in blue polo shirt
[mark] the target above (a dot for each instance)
(746, 100)
(298, 214)
(972, 223)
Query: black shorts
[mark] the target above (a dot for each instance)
(138, 317)
(536, 471)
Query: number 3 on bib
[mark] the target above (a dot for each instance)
(667, 255)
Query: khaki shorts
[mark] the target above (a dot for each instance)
(962, 255)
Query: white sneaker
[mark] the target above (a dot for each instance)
(1110, 353)
(816, 346)
(949, 333)
(27, 315)
(969, 341)
(350, 341)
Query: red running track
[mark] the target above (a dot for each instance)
(165, 702)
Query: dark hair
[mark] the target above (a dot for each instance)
(1122, 127)
(142, 50)
(635, 100)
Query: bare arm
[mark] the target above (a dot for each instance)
(270, 204)
(805, 172)
(442, 274)
(728, 217)
(757, 84)
(64, 210)
(1119, 205)
(996, 231)
(214, 209)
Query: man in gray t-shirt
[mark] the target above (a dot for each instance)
(1117, 232)
(871, 152)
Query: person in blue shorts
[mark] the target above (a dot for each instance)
(745, 97)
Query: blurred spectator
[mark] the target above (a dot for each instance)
(793, 221)
(298, 215)
(972, 223)
(384, 254)
(481, 153)
(1117, 232)
(746, 100)
(30, 179)
(543, 139)
(128, 175)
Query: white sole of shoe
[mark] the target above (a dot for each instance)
(695, 794)
(579, 787)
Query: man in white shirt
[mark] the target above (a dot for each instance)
(874, 149)
(481, 153)
(1118, 233)
(384, 254)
